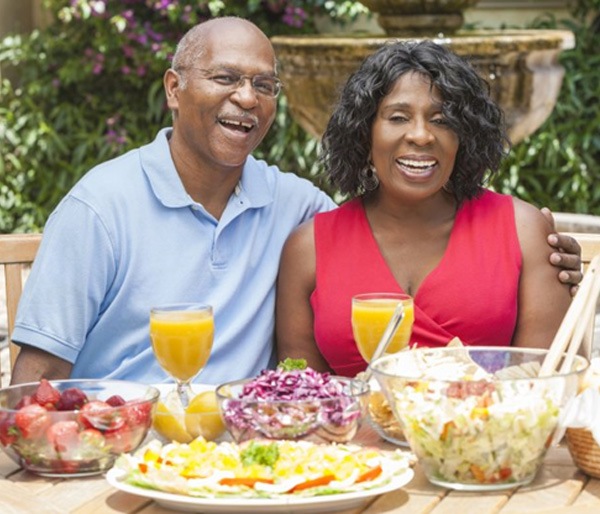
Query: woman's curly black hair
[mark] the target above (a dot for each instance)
(467, 107)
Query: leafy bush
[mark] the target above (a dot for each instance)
(90, 87)
(559, 164)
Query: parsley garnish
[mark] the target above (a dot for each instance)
(263, 454)
(292, 364)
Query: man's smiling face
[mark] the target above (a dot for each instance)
(222, 124)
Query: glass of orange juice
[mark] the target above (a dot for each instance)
(182, 337)
(371, 313)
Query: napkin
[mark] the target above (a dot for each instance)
(583, 411)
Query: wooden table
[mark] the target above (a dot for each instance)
(560, 488)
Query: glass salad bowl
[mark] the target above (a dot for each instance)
(476, 418)
(293, 405)
(63, 428)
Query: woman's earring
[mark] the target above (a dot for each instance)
(368, 178)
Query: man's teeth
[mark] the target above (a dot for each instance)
(421, 165)
(244, 125)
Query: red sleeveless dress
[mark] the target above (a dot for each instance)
(472, 293)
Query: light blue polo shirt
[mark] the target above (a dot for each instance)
(128, 237)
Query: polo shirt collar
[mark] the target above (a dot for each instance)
(158, 166)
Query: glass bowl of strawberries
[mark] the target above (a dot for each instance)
(74, 427)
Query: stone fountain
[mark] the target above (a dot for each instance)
(521, 66)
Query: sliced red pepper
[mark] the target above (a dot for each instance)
(371, 474)
(505, 473)
(247, 481)
(316, 482)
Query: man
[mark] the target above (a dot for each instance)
(190, 217)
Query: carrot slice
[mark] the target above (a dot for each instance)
(316, 482)
(478, 473)
(371, 474)
(247, 481)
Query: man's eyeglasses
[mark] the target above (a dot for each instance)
(231, 80)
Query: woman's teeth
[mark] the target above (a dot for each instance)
(417, 165)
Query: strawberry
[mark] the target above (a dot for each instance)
(71, 399)
(120, 440)
(8, 431)
(32, 420)
(62, 466)
(46, 395)
(115, 400)
(63, 435)
(90, 437)
(100, 415)
(92, 444)
(138, 414)
(25, 400)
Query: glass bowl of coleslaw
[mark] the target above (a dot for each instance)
(477, 418)
(293, 405)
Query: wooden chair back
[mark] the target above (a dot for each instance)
(17, 252)
(590, 247)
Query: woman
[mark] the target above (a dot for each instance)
(413, 139)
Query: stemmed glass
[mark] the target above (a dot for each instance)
(371, 313)
(182, 338)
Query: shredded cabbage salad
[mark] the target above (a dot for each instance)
(480, 431)
(304, 384)
(281, 404)
(260, 469)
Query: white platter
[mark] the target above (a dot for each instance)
(314, 505)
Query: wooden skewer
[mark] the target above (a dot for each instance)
(582, 325)
(572, 318)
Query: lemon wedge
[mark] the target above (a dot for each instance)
(169, 420)
(202, 416)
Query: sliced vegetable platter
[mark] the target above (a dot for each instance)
(265, 474)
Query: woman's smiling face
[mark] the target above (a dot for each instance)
(412, 147)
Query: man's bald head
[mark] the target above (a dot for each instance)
(193, 44)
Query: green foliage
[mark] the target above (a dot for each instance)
(89, 88)
(559, 165)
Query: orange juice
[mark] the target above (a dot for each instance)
(371, 314)
(182, 341)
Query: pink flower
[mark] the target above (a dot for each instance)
(275, 5)
(115, 138)
(141, 38)
(162, 5)
(129, 16)
(128, 51)
(294, 16)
